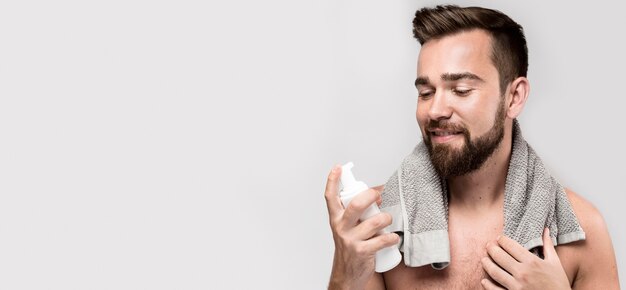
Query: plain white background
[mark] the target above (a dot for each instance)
(185, 145)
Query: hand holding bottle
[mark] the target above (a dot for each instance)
(356, 243)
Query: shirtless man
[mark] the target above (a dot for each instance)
(466, 75)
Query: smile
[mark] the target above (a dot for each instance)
(444, 133)
(443, 136)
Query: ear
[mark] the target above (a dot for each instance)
(517, 96)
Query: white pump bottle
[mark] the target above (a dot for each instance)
(386, 258)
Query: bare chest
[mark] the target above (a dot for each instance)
(467, 248)
(468, 239)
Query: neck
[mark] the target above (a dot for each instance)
(483, 188)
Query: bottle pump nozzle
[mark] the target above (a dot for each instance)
(349, 183)
(347, 177)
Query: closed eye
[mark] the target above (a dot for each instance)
(425, 94)
(462, 92)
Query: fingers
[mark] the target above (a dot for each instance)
(549, 252)
(333, 203)
(488, 285)
(358, 204)
(376, 243)
(380, 189)
(514, 249)
(496, 273)
(502, 258)
(371, 226)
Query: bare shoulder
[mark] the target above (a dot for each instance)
(591, 221)
(597, 265)
(586, 213)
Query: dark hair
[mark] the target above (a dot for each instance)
(509, 53)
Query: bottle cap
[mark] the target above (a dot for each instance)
(349, 183)
(347, 177)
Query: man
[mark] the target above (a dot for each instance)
(471, 79)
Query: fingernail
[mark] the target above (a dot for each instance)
(335, 168)
(498, 238)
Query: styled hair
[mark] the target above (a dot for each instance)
(509, 53)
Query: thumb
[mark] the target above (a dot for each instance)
(380, 190)
(549, 252)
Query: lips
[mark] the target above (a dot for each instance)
(444, 133)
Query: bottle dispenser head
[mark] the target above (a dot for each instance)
(347, 178)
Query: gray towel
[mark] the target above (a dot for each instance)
(416, 197)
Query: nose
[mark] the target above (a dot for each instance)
(439, 107)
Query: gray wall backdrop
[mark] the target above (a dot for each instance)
(185, 144)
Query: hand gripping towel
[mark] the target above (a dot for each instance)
(417, 199)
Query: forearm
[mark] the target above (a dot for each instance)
(340, 278)
(340, 282)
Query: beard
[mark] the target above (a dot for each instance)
(451, 162)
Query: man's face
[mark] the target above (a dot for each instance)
(460, 109)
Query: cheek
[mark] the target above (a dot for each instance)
(421, 112)
(421, 115)
(480, 120)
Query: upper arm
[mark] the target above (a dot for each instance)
(376, 282)
(597, 267)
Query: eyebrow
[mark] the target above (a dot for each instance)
(460, 76)
(450, 77)
(421, 81)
